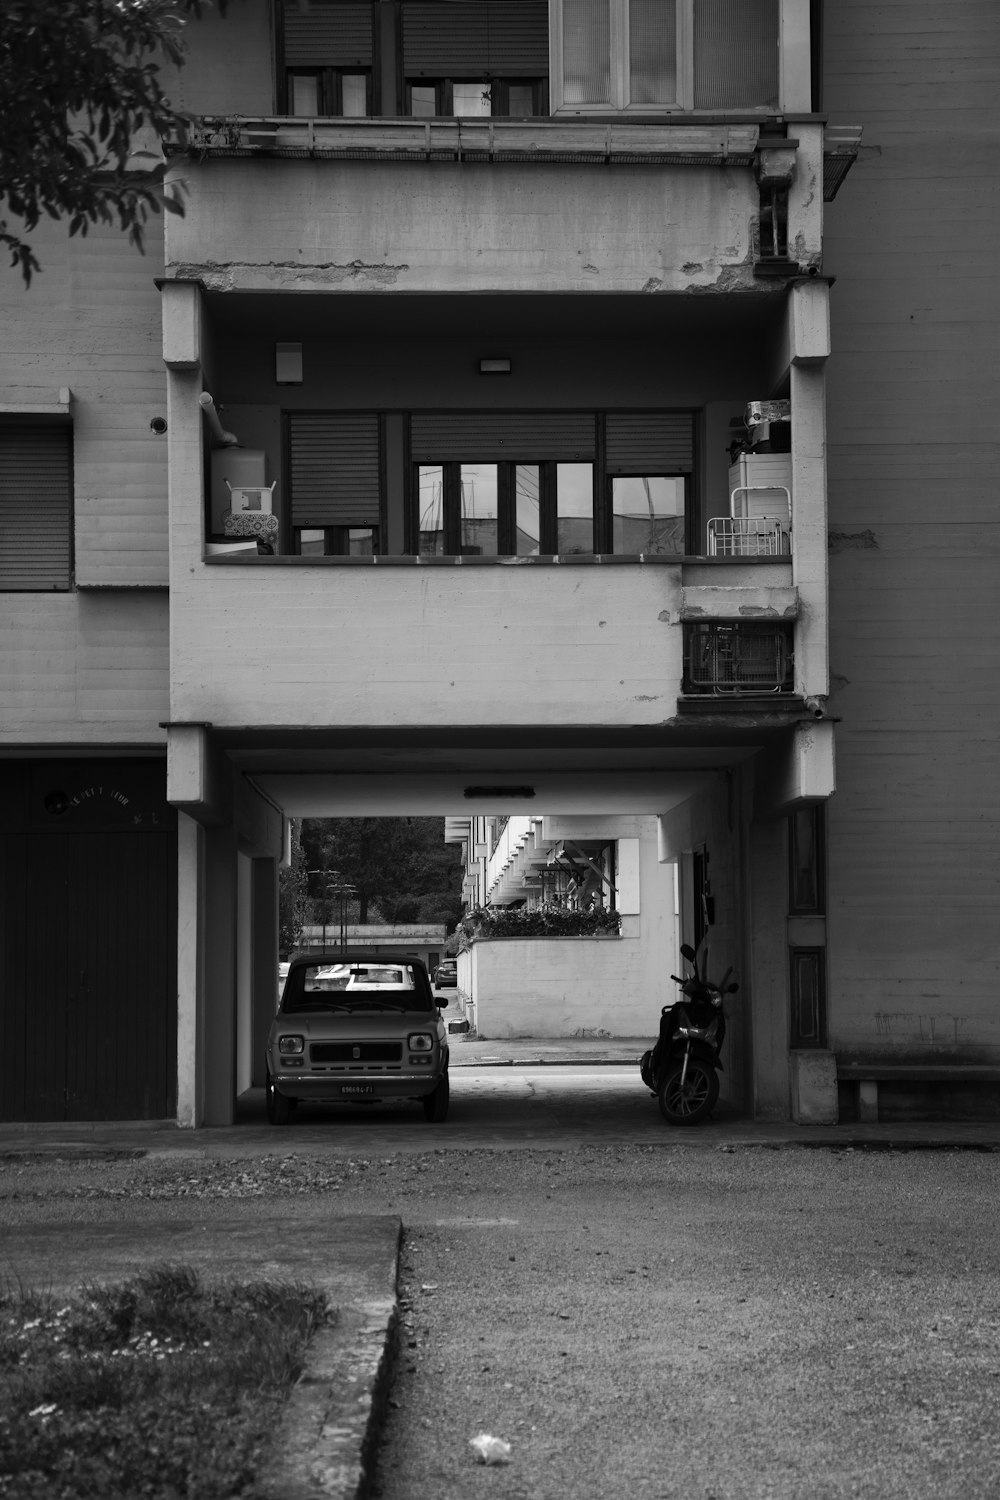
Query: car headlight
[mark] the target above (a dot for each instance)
(291, 1044)
(420, 1041)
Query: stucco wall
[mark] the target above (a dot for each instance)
(348, 227)
(84, 668)
(915, 533)
(426, 644)
(551, 987)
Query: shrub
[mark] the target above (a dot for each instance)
(538, 921)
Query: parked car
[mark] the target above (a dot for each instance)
(446, 973)
(361, 1030)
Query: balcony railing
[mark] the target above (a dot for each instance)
(463, 139)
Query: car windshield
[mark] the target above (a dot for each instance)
(355, 986)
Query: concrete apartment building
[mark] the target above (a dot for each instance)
(541, 409)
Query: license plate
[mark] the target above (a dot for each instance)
(357, 1088)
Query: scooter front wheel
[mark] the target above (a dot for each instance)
(694, 1100)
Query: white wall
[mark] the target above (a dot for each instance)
(552, 987)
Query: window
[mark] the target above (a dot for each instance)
(36, 505)
(807, 860)
(649, 55)
(327, 51)
(328, 91)
(520, 98)
(335, 474)
(472, 58)
(505, 509)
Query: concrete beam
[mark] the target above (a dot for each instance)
(181, 324)
(199, 778)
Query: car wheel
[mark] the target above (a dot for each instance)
(435, 1105)
(279, 1106)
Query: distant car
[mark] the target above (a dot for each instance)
(446, 973)
(359, 1031)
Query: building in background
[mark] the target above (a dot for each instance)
(530, 415)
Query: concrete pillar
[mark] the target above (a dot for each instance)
(767, 881)
(809, 529)
(218, 942)
(814, 1087)
(264, 939)
(244, 973)
(190, 976)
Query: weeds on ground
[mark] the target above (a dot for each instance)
(157, 1388)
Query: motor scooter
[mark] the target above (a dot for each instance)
(683, 1068)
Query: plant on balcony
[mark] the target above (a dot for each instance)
(547, 920)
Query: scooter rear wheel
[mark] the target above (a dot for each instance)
(695, 1100)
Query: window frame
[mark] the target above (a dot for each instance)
(55, 421)
(330, 91)
(620, 81)
(499, 96)
(451, 482)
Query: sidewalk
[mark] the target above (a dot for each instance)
(479, 1052)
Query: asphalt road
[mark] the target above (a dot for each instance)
(636, 1311)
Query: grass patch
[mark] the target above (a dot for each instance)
(157, 1388)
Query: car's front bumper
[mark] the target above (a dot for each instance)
(354, 1087)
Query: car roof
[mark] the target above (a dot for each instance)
(329, 960)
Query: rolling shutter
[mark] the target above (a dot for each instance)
(36, 506)
(492, 436)
(328, 34)
(505, 38)
(334, 468)
(650, 442)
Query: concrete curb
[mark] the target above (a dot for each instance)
(326, 1447)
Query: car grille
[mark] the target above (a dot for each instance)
(355, 1052)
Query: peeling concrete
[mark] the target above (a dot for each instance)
(692, 267)
(664, 616)
(219, 277)
(654, 284)
(847, 541)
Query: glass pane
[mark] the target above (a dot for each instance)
(735, 54)
(423, 99)
(479, 510)
(652, 47)
(648, 515)
(303, 93)
(312, 541)
(574, 508)
(520, 100)
(527, 517)
(354, 93)
(362, 540)
(472, 98)
(586, 52)
(431, 509)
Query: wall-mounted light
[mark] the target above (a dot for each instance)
(494, 367)
(288, 364)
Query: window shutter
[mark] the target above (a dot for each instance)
(492, 436)
(334, 468)
(36, 506)
(328, 34)
(735, 54)
(650, 442)
(505, 38)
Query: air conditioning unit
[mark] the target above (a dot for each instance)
(737, 659)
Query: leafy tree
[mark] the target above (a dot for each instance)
(292, 889)
(79, 79)
(401, 870)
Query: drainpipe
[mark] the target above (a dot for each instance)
(227, 439)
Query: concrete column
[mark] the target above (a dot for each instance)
(809, 528)
(190, 974)
(218, 943)
(767, 882)
(264, 940)
(244, 972)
